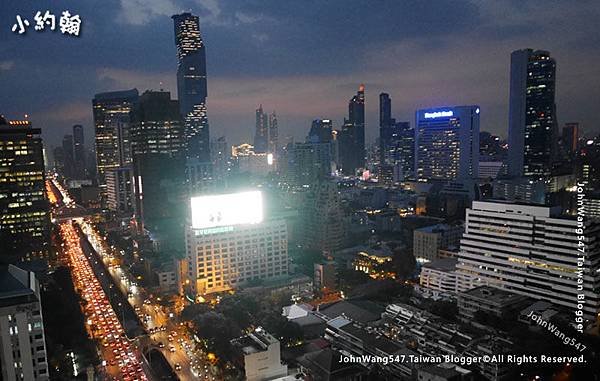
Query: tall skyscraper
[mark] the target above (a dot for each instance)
(533, 251)
(261, 133)
(158, 157)
(78, 152)
(447, 143)
(356, 116)
(532, 127)
(191, 85)
(385, 122)
(22, 344)
(24, 215)
(111, 124)
(273, 146)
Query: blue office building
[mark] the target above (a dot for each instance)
(447, 143)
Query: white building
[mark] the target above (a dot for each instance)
(119, 190)
(427, 241)
(533, 251)
(262, 356)
(439, 275)
(228, 243)
(22, 345)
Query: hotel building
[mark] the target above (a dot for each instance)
(533, 251)
(228, 244)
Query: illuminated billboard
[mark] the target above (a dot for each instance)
(438, 114)
(227, 209)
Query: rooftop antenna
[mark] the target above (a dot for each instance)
(161, 86)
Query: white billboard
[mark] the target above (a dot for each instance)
(227, 209)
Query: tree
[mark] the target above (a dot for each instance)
(216, 331)
(404, 263)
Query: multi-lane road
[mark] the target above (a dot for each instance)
(121, 359)
(154, 327)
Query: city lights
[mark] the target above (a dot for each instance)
(438, 114)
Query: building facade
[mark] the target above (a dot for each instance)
(226, 253)
(447, 143)
(261, 356)
(191, 85)
(532, 250)
(119, 190)
(427, 241)
(158, 144)
(111, 124)
(24, 209)
(532, 126)
(22, 344)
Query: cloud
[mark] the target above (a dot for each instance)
(115, 78)
(6, 65)
(140, 12)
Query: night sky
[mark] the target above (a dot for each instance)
(304, 59)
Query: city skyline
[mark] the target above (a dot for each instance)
(416, 63)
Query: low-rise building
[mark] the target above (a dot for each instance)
(491, 301)
(261, 356)
(439, 275)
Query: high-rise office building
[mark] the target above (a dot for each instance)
(230, 243)
(385, 123)
(570, 139)
(321, 131)
(22, 344)
(308, 162)
(447, 143)
(532, 250)
(532, 126)
(111, 124)
(273, 146)
(78, 152)
(191, 85)
(24, 214)
(351, 138)
(261, 133)
(158, 156)
(322, 217)
(119, 190)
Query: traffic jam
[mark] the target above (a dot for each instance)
(120, 357)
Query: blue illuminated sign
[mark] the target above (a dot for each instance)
(438, 114)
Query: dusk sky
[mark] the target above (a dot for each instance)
(304, 59)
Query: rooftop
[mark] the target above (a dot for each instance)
(438, 228)
(254, 342)
(493, 294)
(442, 264)
(16, 286)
